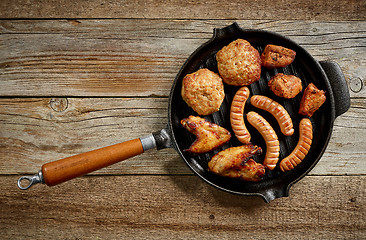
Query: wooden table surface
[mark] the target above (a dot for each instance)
(80, 75)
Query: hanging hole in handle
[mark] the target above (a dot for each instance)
(25, 182)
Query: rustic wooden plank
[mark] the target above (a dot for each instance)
(138, 57)
(346, 143)
(208, 9)
(35, 131)
(184, 207)
(38, 130)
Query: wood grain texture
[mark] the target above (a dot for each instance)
(138, 57)
(33, 132)
(38, 130)
(80, 75)
(181, 207)
(208, 9)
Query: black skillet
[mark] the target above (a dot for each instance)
(325, 75)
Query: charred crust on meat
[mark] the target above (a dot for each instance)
(312, 100)
(275, 56)
(209, 136)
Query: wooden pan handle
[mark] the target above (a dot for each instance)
(71, 167)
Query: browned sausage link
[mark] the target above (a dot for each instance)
(302, 147)
(277, 110)
(270, 137)
(236, 115)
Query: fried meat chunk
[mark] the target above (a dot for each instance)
(237, 162)
(275, 56)
(286, 86)
(311, 101)
(209, 135)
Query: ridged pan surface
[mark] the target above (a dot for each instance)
(275, 183)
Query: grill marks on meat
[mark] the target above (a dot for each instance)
(209, 135)
(270, 137)
(277, 110)
(302, 148)
(236, 115)
(235, 65)
(237, 162)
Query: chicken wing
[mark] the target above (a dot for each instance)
(236, 162)
(209, 135)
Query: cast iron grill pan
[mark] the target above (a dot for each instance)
(305, 67)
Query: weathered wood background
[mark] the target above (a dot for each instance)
(79, 75)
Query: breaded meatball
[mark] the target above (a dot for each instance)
(287, 86)
(275, 56)
(203, 91)
(239, 63)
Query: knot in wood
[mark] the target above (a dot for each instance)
(356, 84)
(59, 104)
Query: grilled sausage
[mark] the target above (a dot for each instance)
(236, 115)
(270, 137)
(302, 147)
(277, 110)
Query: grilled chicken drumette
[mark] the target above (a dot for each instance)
(209, 135)
(237, 162)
